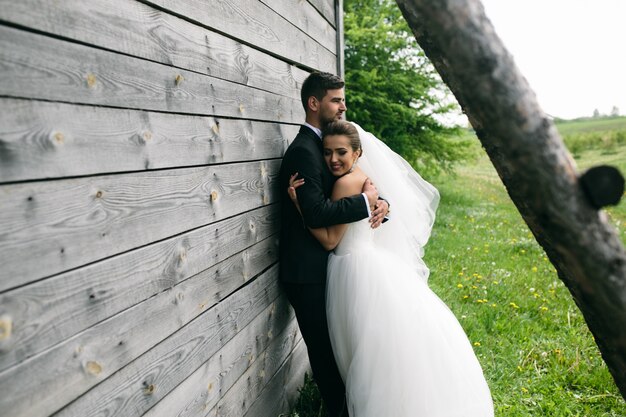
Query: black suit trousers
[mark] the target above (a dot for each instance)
(309, 303)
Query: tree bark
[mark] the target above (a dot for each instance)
(533, 163)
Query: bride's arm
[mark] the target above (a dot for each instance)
(330, 236)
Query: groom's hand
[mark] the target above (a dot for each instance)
(379, 213)
(371, 193)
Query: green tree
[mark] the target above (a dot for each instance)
(392, 89)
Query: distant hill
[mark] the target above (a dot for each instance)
(591, 124)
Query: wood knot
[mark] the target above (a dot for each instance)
(241, 108)
(209, 387)
(213, 195)
(99, 194)
(602, 185)
(147, 135)
(149, 389)
(93, 367)
(91, 80)
(179, 79)
(59, 138)
(6, 327)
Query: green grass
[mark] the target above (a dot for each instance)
(607, 142)
(537, 354)
(536, 351)
(591, 124)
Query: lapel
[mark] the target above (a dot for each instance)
(328, 180)
(311, 135)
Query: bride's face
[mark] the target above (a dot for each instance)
(339, 155)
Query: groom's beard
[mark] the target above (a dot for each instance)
(325, 120)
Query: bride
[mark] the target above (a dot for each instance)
(399, 349)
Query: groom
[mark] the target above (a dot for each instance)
(302, 258)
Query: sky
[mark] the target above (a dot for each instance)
(572, 52)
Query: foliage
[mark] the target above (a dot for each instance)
(309, 403)
(393, 90)
(536, 351)
(606, 134)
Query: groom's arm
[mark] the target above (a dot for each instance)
(317, 210)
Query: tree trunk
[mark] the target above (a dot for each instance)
(533, 163)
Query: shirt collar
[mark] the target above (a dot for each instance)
(317, 131)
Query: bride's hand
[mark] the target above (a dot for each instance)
(293, 184)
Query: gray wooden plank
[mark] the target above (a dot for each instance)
(326, 8)
(253, 353)
(159, 341)
(305, 17)
(49, 311)
(50, 140)
(254, 383)
(40, 67)
(254, 23)
(137, 387)
(67, 223)
(137, 29)
(280, 392)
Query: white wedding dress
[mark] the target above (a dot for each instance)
(400, 350)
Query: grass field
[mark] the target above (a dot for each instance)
(605, 134)
(537, 354)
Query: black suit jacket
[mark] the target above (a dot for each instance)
(302, 258)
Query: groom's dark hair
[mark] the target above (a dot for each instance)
(317, 84)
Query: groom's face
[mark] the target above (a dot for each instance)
(332, 107)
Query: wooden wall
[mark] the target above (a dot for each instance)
(140, 142)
